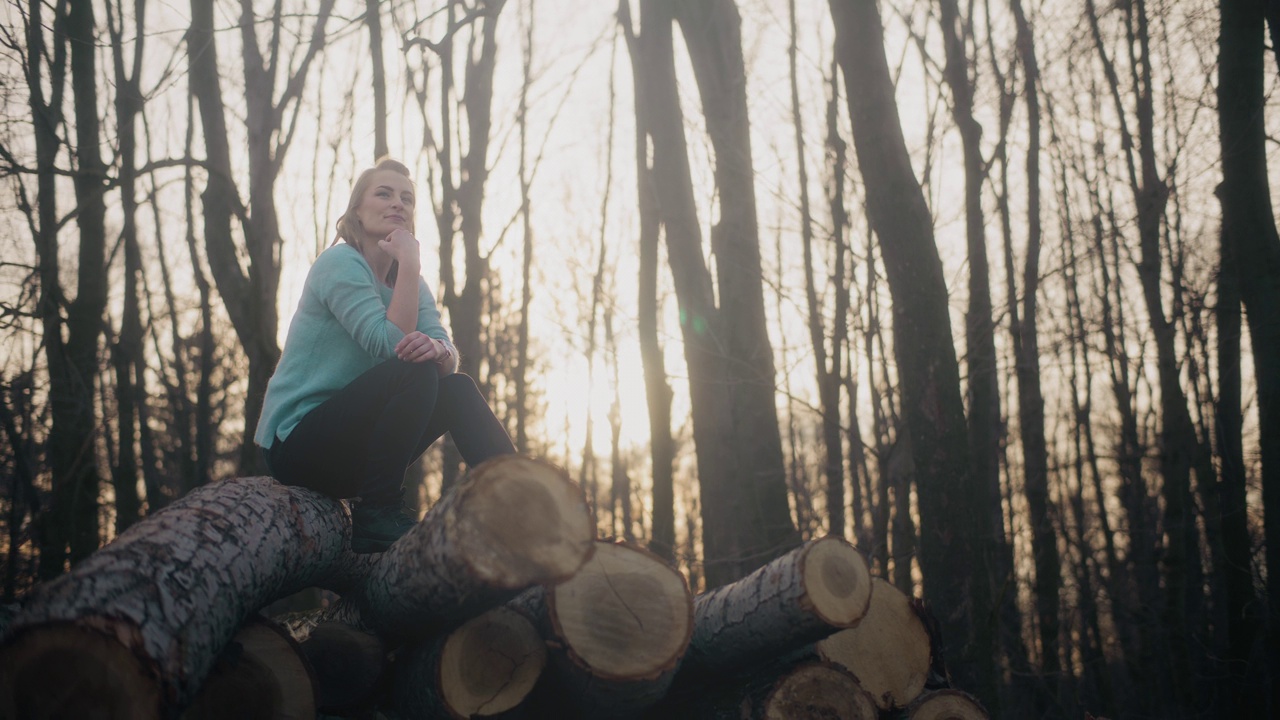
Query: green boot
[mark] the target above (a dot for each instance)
(375, 527)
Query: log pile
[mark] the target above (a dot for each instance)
(501, 602)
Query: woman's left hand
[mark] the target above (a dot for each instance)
(416, 347)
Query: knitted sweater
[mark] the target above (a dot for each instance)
(339, 331)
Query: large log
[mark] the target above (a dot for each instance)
(483, 669)
(346, 662)
(513, 522)
(617, 630)
(946, 705)
(795, 600)
(888, 651)
(260, 675)
(133, 630)
(781, 690)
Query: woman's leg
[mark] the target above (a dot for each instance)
(361, 440)
(461, 411)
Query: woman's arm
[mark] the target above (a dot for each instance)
(403, 311)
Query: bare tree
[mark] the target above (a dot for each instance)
(658, 391)
(1250, 266)
(953, 524)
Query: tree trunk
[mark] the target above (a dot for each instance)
(1026, 350)
(741, 477)
(1251, 268)
(952, 520)
(146, 616)
(797, 599)
(262, 673)
(373, 21)
(657, 390)
(828, 377)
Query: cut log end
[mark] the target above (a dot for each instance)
(64, 670)
(946, 705)
(490, 664)
(818, 691)
(888, 651)
(626, 615)
(525, 521)
(347, 663)
(260, 674)
(837, 581)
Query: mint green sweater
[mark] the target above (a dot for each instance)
(339, 331)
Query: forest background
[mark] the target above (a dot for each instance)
(990, 288)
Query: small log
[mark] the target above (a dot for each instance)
(346, 662)
(513, 522)
(795, 600)
(617, 630)
(260, 675)
(888, 651)
(134, 629)
(483, 669)
(946, 705)
(781, 690)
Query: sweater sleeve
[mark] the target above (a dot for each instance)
(430, 324)
(345, 285)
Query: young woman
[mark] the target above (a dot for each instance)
(367, 380)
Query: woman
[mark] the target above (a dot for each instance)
(368, 377)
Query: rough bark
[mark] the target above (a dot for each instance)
(1251, 254)
(484, 668)
(889, 650)
(155, 607)
(952, 523)
(617, 629)
(797, 599)
(511, 523)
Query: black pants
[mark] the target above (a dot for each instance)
(360, 441)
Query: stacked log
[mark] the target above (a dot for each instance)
(889, 651)
(484, 668)
(501, 602)
(945, 705)
(617, 630)
(134, 629)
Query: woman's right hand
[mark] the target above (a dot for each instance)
(402, 246)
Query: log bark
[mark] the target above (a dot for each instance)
(889, 651)
(618, 629)
(135, 629)
(260, 674)
(798, 599)
(512, 523)
(483, 669)
(784, 690)
(946, 705)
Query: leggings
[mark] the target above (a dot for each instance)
(361, 440)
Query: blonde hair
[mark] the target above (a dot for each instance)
(349, 226)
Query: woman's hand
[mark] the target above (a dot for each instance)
(402, 246)
(416, 347)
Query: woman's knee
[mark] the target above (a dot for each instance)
(417, 375)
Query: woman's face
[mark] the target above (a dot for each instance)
(387, 204)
